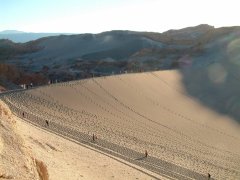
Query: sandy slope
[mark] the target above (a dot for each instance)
(142, 111)
(15, 159)
(68, 160)
(21, 143)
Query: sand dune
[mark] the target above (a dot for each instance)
(132, 113)
(68, 160)
(22, 144)
(16, 161)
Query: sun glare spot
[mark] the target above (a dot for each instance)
(217, 73)
(233, 51)
(185, 61)
(107, 39)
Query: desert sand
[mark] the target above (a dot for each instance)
(131, 113)
(16, 161)
(22, 143)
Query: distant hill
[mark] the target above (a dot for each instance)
(22, 37)
(66, 57)
(189, 32)
(11, 32)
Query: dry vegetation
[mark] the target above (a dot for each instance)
(15, 75)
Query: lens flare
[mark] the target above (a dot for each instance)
(233, 51)
(185, 61)
(217, 73)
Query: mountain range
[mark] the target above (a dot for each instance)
(67, 57)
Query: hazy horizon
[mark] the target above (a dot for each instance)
(78, 16)
(11, 31)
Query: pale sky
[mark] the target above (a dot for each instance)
(94, 16)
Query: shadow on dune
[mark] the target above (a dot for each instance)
(216, 86)
(140, 158)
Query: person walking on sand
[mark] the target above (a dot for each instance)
(146, 154)
(47, 123)
(94, 137)
(209, 176)
(23, 115)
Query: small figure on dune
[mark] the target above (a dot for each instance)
(209, 176)
(94, 137)
(146, 153)
(23, 114)
(47, 123)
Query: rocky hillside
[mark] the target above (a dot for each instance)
(68, 57)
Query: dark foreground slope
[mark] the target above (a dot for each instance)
(69, 57)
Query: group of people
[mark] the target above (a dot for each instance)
(46, 121)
